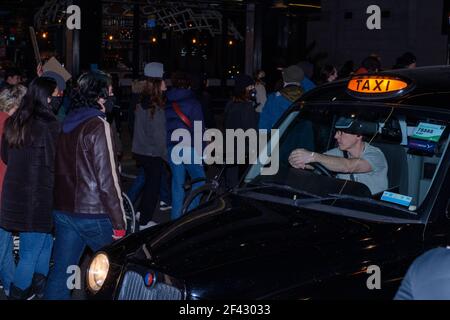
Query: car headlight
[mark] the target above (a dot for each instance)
(97, 272)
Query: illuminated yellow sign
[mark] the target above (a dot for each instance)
(376, 85)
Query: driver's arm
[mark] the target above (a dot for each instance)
(342, 165)
(299, 158)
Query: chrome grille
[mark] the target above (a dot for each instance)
(133, 288)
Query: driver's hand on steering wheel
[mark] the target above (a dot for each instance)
(299, 158)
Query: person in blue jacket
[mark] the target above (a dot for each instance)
(278, 102)
(182, 111)
(308, 69)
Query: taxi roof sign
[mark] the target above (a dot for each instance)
(377, 86)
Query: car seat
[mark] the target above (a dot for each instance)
(397, 166)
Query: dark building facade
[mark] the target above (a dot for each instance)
(406, 25)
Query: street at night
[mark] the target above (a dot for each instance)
(224, 151)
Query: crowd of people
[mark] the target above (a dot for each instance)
(59, 170)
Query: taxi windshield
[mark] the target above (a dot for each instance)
(380, 153)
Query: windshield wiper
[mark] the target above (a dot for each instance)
(311, 198)
(267, 185)
(283, 200)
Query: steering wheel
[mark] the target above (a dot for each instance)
(321, 169)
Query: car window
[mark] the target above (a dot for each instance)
(409, 143)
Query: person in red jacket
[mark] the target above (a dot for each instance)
(371, 64)
(10, 99)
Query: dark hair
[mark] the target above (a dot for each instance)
(11, 72)
(197, 82)
(409, 57)
(241, 96)
(180, 80)
(371, 64)
(405, 60)
(34, 103)
(347, 69)
(91, 86)
(326, 72)
(257, 78)
(152, 97)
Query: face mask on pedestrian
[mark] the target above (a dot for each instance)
(110, 103)
(55, 103)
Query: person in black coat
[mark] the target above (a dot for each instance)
(28, 149)
(240, 113)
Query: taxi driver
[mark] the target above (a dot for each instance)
(353, 159)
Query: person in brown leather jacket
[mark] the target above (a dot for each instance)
(88, 198)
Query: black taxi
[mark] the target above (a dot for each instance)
(308, 233)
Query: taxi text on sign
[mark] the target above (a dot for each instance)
(376, 85)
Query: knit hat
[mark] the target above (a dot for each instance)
(60, 83)
(154, 70)
(242, 82)
(293, 74)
